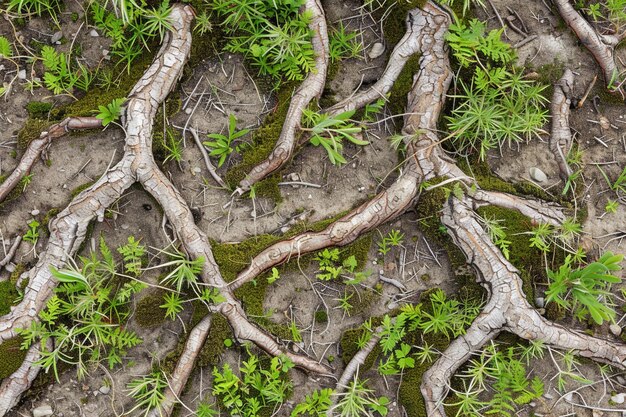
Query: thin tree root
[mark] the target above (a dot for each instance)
(311, 87)
(560, 134)
(602, 47)
(37, 146)
(11, 253)
(183, 369)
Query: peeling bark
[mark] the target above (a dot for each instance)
(560, 134)
(311, 87)
(37, 146)
(602, 47)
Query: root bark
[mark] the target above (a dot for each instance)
(311, 87)
(37, 146)
(560, 134)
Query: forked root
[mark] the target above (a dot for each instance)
(37, 146)
(311, 87)
(507, 309)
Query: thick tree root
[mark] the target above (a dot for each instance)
(38, 145)
(311, 87)
(507, 309)
(560, 134)
(602, 47)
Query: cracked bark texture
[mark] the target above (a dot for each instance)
(37, 146)
(311, 87)
(602, 47)
(560, 133)
(507, 309)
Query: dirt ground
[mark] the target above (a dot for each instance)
(221, 86)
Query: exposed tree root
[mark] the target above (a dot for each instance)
(11, 253)
(507, 309)
(185, 364)
(311, 87)
(68, 228)
(38, 145)
(602, 47)
(560, 134)
(410, 44)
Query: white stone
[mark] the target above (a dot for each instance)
(42, 411)
(618, 398)
(537, 174)
(10, 267)
(539, 302)
(21, 74)
(377, 50)
(56, 37)
(93, 33)
(615, 329)
(35, 212)
(104, 389)
(125, 226)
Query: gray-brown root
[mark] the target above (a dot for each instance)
(560, 133)
(602, 47)
(311, 87)
(183, 369)
(37, 146)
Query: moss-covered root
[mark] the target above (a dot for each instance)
(602, 47)
(311, 87)
(35, 148)
(185, 365)
(506, 309)
(21, 379)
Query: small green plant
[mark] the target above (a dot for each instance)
(587, 286)
(221, 145)
(275, 276)
(315, 404)
(173, 304)
(358, 401)
(61, 75)
(472, 44)
(132, 253)
(111, 112)
(273, 34)
(611, 206)
(32, 234)
(257, 389)
(6, 50)
(394, 238)
(328, 259)
(173, 147)
(148, 392)
(329, 131)
(619, 185)
(343, 44)
(203, 24)
(497, 234)
(25, 8)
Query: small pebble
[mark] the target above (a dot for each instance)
(42, 411)
(35, 212)
(621, 380)
(21, 74)
(540, 302)
(618, 398)
(125, 226)
(197, 170)
(56, 37)
(615, 329)
(392, 305)
(104, 389)
(310, 197)
(10, 268)
(105, 52)
(538, 175)
(93, 33)
(377, 50)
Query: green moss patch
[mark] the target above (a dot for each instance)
(8, 294)
(11, 356)
(148, 313)
(38, 109)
